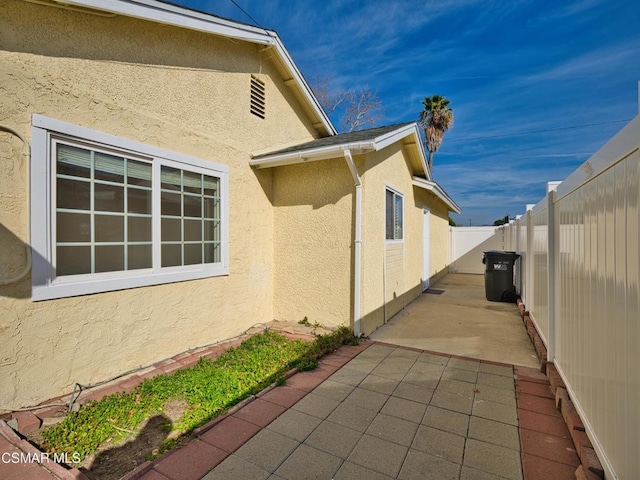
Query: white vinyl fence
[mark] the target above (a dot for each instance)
(580, 279)
(467, 245)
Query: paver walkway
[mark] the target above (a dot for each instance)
(390, 412)
(375, 411)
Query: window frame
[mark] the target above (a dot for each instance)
(45, 285)
(396, 194)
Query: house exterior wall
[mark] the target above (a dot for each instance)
(171, 88)
(313, 211)
(440, 245)
(391, 270)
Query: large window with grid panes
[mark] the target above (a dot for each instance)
(123, 214)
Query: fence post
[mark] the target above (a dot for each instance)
(552, 262)
(530, 261)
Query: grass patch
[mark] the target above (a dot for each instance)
(209, 389)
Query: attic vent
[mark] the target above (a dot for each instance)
(258, 100)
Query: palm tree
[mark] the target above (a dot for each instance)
(436, 118)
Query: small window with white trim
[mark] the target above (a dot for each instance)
(109, 213)
(393, 215)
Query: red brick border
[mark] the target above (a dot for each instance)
(590, 468)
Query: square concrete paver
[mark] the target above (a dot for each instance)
(393, 429)
(379, 384)
(446, 420)
(468, 473)
(460, 374)
(504, 370)
(465, 364)
(335, 439)
(379, 455)
(367, 399)
(294, 424)
(267, 450)
(452, 401)
(494, 459)
(405, 409)
(316, 405)
(307, 463)
(439, 443)
(422, 466)
(493, 394)
(412, 392)
(428, 380)
(363, 365)
(352, 416)
(427, 357)
(494, 432)
(496, 411)
(393, 371)
(235, 468)
(457, 386)
(333, 390)
(497, 381)
(351, 471)
(349, 376)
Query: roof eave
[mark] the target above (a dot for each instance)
(312, 155)
(334, 151)
(438, 192)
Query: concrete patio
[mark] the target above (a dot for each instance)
(457, 319)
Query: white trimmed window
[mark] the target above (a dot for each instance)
(393, 215)
(109, 213)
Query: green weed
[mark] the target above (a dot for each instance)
(209, 388)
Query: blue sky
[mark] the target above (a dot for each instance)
(508, 66)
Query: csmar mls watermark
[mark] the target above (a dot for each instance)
(39, 457)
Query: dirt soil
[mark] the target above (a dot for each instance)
(113, 461)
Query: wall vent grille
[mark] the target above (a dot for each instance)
(258, 97)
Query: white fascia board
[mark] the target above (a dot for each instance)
(312, 155)
(180, 17)
(390, 138)
(402, 132)
(306, 89)
(437, 191)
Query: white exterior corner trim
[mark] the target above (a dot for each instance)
(438, 192)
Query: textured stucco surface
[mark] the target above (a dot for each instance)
(392, 272)
(168, 87)
(313, 235)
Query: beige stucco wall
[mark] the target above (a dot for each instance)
(172, 88)
(389, 269)
(392, 271)
(313, 204)
(439, 233)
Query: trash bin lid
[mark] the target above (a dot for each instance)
(501, 253)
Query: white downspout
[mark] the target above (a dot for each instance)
(357, 257)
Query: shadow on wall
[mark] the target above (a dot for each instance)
(471, 261)
(376, 319)
(14, 259)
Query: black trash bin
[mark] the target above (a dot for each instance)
(498, 275)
